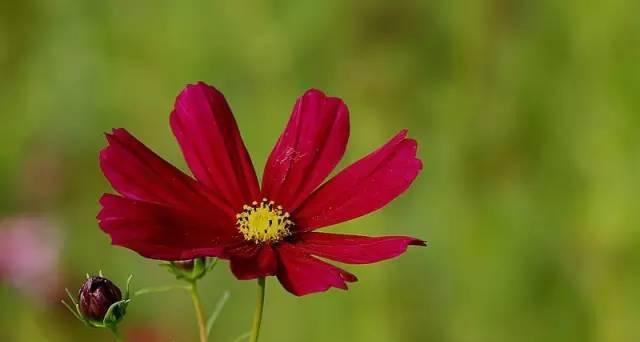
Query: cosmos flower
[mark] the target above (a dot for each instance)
(267, 230)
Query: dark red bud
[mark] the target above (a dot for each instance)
(96, 295)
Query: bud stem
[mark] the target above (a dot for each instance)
(197, 304)
(116, 333)
(257, 316)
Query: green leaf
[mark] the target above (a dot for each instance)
(242, 337)
(127, 291)
(71, 297)
(74, 312)
(160, 289)
(211, 264)
(216, 312)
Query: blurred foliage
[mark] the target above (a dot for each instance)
(527, 113)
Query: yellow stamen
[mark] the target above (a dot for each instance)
(264, 222)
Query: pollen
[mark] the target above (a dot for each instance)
(263, 222)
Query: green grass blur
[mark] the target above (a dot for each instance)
(527, 114)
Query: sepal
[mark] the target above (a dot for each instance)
(191, 270)
(115, 314)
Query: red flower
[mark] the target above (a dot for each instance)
(162, 213)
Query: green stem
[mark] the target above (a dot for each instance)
(160, 289)
(116, 333)
(257, 316)
(197, 305)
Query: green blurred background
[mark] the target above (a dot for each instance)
(527, 114)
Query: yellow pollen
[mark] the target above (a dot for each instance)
(263, 222)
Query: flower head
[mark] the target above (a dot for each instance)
(96, 296)
(100, 303)
(263, 230)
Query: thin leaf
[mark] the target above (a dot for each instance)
(159, 289)
(71, 297)
(242, 337)
(212, 264)
(216, 312)
(128, 286)
(74, 312)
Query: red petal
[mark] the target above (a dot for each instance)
(302, 274)
(354, 249)
(365, 186)
(137, 173)
(308, 150)
(162, 232)
(263, 263)
(211, 143)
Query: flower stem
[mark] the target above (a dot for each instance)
(116, 333)
(197, 304)
(257, 316)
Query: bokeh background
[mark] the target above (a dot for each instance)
(527, 114)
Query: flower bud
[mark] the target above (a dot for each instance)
(191, 270)
(95, 297)
(185, 265)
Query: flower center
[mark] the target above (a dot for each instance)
(264, 222)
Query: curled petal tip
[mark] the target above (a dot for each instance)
(348, 277)
(314, 92)
(418, 242)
